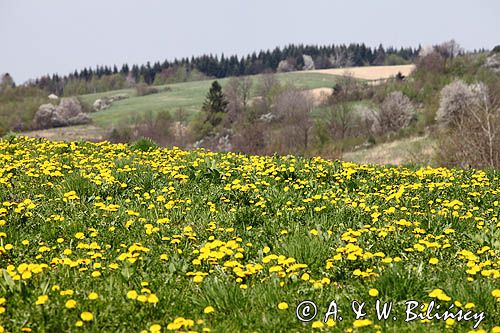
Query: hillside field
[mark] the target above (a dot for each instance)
(416, 150)
(369, 72)
(188, 96)
(96, 237)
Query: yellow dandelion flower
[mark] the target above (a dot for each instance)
(283, 306)
(70, 304)
(132, 294)
(208, 310)
(93, 296)
(155, 328)
(433, 261)
(86, 316)
(42, 299)
(152, 298)
(317, 324)
(361, 323)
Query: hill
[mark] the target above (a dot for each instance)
(356, 115)
(291, 57)
(189, 96)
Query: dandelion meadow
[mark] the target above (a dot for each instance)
(100, 237)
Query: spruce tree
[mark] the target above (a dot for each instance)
(215, 105)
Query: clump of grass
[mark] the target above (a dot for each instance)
(144, 144)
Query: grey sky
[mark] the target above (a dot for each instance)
(59, 36)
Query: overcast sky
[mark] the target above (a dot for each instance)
(59, 36)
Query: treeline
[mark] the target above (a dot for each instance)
(291, 57)
(452, 98)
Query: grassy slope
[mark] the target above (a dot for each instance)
(403, 151)
(188, 95)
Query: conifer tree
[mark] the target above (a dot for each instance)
(215, 105)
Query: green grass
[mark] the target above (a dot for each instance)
(79, 217)
(188, 96)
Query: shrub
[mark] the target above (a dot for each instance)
(143, 89)
(158, 128)
(19, 105)
(120, 135)
(348, 88)
(144, 144)
(431, 62)
(395, 113)
(455, 100)
(474, 138)
(394, 59)
(249, 137)
(341, 120)
(293, 108)
(86, 107)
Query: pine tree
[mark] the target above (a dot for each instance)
(125, 69)
(215, 105)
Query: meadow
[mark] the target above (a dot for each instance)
(187, 95)
(100, 237)
(190, 95)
